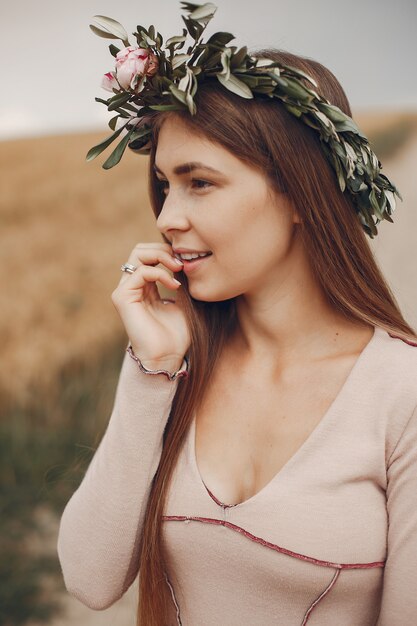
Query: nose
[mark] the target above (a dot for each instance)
(172, 215)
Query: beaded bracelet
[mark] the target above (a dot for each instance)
(182, 372)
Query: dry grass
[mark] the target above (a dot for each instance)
(67, 225)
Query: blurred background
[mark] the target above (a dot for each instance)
(67, 225)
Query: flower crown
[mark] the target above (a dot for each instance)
(147, 78)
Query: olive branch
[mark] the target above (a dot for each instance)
(175, 84)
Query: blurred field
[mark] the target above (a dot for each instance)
(66, 228)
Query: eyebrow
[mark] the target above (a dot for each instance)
(186, 168)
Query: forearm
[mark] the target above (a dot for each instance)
(101, 524)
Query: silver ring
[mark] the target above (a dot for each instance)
(127, 267)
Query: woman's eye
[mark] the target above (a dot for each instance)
(204, 183)
(196, 183)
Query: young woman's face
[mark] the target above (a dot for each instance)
(228, 210)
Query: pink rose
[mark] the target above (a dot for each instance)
(109, 82)
(132, 62)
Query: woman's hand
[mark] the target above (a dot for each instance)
(157, 329)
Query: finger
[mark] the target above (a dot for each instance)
(154, 256)
(160, 245)
(143, 282)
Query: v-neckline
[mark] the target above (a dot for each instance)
(349, 381)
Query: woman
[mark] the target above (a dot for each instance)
(260, 462)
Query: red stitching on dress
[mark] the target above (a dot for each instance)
(321, 596)
(268, 544)
(410, 343)
(218, 501)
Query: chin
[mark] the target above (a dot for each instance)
(205, 295)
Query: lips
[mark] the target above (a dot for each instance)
(194, 264)
(178, 254)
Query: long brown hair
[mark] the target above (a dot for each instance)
(262, 133)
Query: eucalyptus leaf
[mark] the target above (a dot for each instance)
(165, 107)
(220, 39)
(113, 49)
(347, 125)
(179, 95)
(225, 61)
(102, 33)
(117, 153)
(206, 10)
(98, 149)
(140, 132)
(113, 122)
(118, 100)
(190, 103)
(189, 6)
(249, 79)
(173, 40)
(302, 74)
(235, 85)
(264, 62)
(293, 110)
(112, 27)
(238, 58)
(179, 59)
(191, 27)
(296, 89)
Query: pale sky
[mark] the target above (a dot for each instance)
(53, 63)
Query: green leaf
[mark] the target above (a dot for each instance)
(238, 58)
(300, 73)
(109, 27)
(190, 103)
(113, 49)
(165, 107)
(117, 153)
(179, 95)
(118, 100)
(98, 149)
(147, 39)
(220, 39)
(191, 27)
(295, 89)
(292, 109)
(189, 6)
(179, 59)
(138, 144)
(235, 85)
(347, 125)
(225, 61)
(102, 33)
(113, 122)
(177, 39)
(206, 10)
(249, 79)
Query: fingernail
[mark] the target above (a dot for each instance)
(176, 281)
(178, 261)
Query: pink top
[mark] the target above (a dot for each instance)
(331, 539)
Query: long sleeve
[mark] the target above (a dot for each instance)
(399, 595)
(101, 524)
